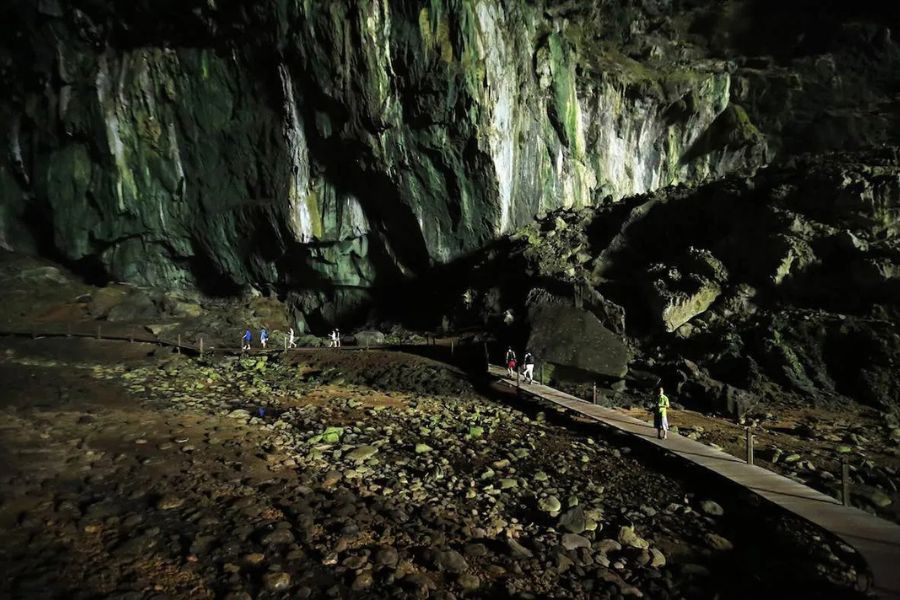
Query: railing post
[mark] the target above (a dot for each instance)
(542, 373)
(749, 446)
(594, 397)
(452, 347)
(178, 347)
(285, 343)
(845, 481)
(201, 346)
(517, 378)
(487, 358)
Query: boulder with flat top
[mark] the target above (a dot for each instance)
(573, 339)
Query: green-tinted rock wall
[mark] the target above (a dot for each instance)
(328, 148)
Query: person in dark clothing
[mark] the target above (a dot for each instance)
(510, 362)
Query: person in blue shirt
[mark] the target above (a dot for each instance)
(263, 336)
(245, 341)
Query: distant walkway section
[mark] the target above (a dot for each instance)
(126, 333)
(876, 540)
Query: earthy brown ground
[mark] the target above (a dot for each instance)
(130, 472)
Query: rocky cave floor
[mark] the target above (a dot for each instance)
(132, 472)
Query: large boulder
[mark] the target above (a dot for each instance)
(711, 394)
(368, 338)
(43, 274)
(103, 300)
(677, 293)
(573, 338)
(136, 306)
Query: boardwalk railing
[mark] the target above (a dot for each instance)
(876, 540)
(116, 333)
(195, 343)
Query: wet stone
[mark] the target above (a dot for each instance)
(877, 497)
(387, 556)
(717, 542)
(169, 502)
(276, 582)
(571, 541)
(450, 561)
(362, 453)
(331, 478)
(469, 582)
(627, 537)
(573, 520)
(608, 545)
(279, 536)
(475, 550)
(254, 558)
(712, 508)
(363, 581)
(517, 550)
(137, 546)
(550, 504)
(355, 562)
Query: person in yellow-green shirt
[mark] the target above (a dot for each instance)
(660, 421)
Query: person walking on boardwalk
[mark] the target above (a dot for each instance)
(263, 337)
(245, 341)
(528, 361)
(510, 362)
(292, 341)
(337, 337)
(660, 418)
(333, 336)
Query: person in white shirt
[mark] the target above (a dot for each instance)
(528, 361)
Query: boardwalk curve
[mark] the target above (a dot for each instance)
(876, 540)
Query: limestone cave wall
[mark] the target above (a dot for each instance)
(323, 149)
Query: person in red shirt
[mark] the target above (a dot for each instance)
(510, 362)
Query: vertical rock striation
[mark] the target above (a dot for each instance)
(329, 148)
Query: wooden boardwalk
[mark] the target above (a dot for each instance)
(876, 540)
(142, 337)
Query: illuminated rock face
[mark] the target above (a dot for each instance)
(328, 148)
